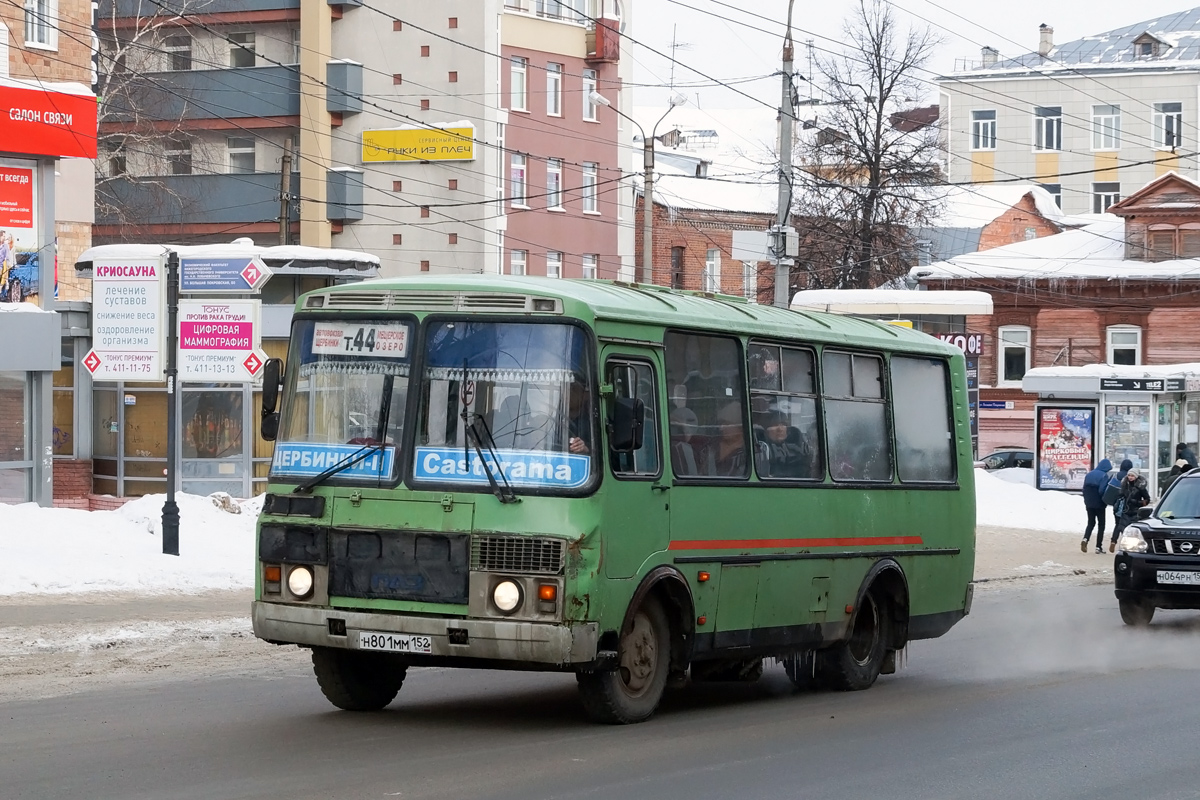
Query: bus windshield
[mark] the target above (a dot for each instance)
(527, 384)
(347, 385)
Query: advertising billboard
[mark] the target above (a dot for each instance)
(1065, 437)
(452, 142)
(20, 261)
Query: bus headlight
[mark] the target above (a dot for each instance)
(1131, 541)
(300, 582)
(506, 597)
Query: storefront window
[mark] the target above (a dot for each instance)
(64, 401)
(212, 439)
(15, 463)
(1127, 434)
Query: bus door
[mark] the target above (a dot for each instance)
(636, 501)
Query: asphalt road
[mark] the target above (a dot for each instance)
(1040, 693)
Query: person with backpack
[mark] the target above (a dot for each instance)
(1134, 495)
(1094, 484)
(1112, 492)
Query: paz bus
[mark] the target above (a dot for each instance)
(638, 485)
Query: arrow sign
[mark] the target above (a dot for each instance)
(91, 361)
(222, 274)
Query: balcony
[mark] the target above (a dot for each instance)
(141, 8)
(192, 199)
(203, 94)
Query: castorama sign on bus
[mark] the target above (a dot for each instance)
(56, 119)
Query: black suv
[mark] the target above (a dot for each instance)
(1158, 557)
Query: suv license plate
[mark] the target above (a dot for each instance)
(398, 642)
(1177, 577)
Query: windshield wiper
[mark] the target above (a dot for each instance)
(505, 493)
(361, 453)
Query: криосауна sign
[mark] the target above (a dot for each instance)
(530, 468)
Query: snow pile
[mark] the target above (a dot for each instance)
(1010, 502)
(61, 550)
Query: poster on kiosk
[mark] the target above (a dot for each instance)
(1065, 437)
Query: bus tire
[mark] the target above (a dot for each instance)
(355, 681)
(854, 664)
(801, 669)
(1136, 613)
(632, 692)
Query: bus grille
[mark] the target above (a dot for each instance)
(517, 554)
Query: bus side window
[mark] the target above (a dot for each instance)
(636, 379)
(783, 408)
(924, 425)
(856, 417)
(709, 436)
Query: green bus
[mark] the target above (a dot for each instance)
(634, 484)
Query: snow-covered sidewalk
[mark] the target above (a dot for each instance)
(51, 551)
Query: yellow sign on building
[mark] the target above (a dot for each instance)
(419, 144)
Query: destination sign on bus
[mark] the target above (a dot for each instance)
(521, 467)
(305, 459)
(356, 339)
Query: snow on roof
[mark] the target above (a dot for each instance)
(23, 308)
(1180, 30)
(281, 258)
(977, 206)
(1093, 251)
(1117, 371)
(892, 301)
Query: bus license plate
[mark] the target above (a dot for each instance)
(394, 642)
(1180, 578)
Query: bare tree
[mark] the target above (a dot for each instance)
(864, 186)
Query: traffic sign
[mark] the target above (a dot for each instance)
(236, 275)
(219, 341)
(128, 320)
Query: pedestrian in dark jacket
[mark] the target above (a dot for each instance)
(1094, 484)
(1134, 495)
(1112, 493)
(1181, 467)
(1186, 453)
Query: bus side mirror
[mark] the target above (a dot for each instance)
(272, 378)
(628, 420)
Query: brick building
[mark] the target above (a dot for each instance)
(1122, 291)
(975, 218)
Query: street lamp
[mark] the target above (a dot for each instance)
(648, 188)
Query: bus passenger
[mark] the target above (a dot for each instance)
(727, 456)
(786, 453)
(579, 418)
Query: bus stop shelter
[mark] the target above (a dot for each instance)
(1087, 413)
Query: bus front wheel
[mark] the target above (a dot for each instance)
(355, 681)
(854, 664)
(632, 691)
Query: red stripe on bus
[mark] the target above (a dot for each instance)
(739, 544)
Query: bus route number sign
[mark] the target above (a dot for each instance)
(356, 339)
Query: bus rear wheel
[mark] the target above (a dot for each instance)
(631, 692)
(355, 681)
(854, 664)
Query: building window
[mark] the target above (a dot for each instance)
(1105, 195)
(1106, 127)
(516, 91)
(983, 130)
(712, 270)
(41, 23)
(749, 280)
(1047, 128)
(553, 264)
(517, 180)
(676, 267)
(179, 157)
(1030, 233)
(114, 153)
(179, 52)
(1014, 353)
(1124, 344)
(554, 194)
(241, 49)
(295, 45)
(1055, 190)
(516, 262)
(589, 86)
(590, 262)
(1168, 125)
(590, 168)
(554, 89)
(241, 155)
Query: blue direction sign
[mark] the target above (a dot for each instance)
(239, 274)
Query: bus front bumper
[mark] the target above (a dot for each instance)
(468, 639)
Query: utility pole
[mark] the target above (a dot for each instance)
(285, 196)
(648, 208)
(787, 113)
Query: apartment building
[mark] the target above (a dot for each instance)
(1090, 120)
(401, 126)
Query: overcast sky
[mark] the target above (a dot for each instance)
(738, 54)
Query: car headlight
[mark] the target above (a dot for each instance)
(506, 597)
(300, 582)
(1131, 541)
